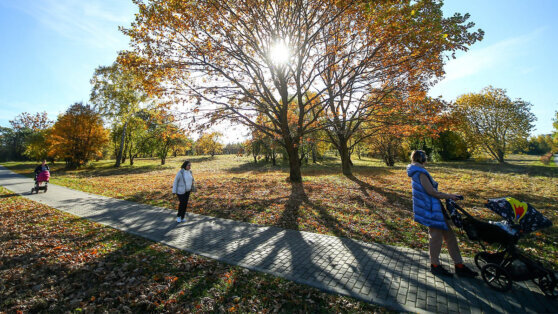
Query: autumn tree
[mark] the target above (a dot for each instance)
(78, 136)
(183, 145)
(239, 59)
(399, 117)
(492, 121)
(392, 47)
(166, 136)
(117, 94)
(208, 144)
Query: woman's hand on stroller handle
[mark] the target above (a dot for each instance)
(455, 197)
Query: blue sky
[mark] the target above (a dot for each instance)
(50, 48)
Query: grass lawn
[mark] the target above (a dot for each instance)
(374, 205)
(54, 262)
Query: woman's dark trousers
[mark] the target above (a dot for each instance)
(182, 204)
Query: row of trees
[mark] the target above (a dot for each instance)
(76, 137)
(488, 122)
(79, 136)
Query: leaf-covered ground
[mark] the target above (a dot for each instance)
(55, 262)
(374, 205)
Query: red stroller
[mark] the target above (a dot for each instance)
(41, 182)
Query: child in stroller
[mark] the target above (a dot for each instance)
(42, 176)
(507, 264)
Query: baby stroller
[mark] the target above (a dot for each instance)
(507, 264)
(41, 182)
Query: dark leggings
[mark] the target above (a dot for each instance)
(182, 204)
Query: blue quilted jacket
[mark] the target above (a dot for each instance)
(427, 208)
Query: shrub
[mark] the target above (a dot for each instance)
(546, 158)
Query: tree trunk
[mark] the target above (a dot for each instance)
(125, 153)
(500, 156)
(119, 157)
(274, 157)
(131, 158)
(294, 163)
(314, 155)
(346, 162)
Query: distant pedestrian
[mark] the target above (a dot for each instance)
(40, 168)
(182, 186)
(429, 211)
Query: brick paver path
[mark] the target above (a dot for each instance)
(394, 277)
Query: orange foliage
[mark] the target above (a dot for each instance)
(78, 136)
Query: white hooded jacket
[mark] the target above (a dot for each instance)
(183, 182)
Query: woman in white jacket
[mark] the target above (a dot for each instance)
(182, 186)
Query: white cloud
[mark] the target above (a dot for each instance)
(94, 22)
(491, 57)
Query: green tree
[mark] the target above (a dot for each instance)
(492, 121)
(26, 139)
(450, 145)
(117, 94)
(37, 147)
(540, 145)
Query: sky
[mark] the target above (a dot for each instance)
(49, 50)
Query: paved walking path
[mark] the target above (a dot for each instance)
(394, 277)
(556, 159)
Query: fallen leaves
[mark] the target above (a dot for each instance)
(54, 262)
(375, 206)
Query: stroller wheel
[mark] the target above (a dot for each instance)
(481, 259)
(548, 285)
(46, 188)
(496, 277)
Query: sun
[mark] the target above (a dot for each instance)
(279, 53)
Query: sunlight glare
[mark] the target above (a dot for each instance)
(279, 53)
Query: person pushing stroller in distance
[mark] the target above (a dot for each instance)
(42, 176)
(40, 168)
(428, 211)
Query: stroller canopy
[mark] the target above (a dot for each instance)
(517, 212)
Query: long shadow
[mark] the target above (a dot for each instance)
(376, 266)
(369, 272)
(506, 168)
(391, 196)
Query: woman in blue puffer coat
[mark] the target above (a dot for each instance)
(428, 211)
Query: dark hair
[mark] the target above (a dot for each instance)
(418, 156)
(185, 164)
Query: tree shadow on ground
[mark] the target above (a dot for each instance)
(505, 168)
(392, 196)
(303, 258)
